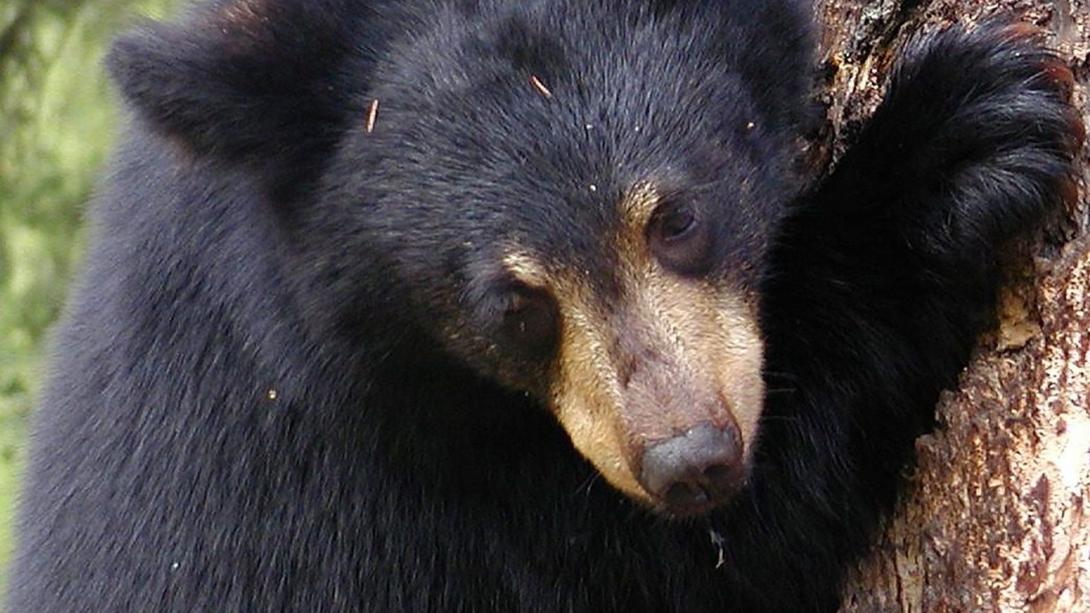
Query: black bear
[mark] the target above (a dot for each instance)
(493, 305)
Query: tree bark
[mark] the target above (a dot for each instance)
(996, 515)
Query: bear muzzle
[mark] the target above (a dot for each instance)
(682, 441)
(661, 428)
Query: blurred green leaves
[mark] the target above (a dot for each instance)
(58, 115)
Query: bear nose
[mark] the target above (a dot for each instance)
(695, 471)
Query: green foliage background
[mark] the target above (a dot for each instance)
(57, 120)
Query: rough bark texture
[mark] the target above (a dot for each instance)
(997, 514)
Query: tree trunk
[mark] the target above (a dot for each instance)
(997, 513)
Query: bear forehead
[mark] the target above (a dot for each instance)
(576, 46)
(536, 124)
(585, 123)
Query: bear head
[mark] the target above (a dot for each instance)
(576, 199)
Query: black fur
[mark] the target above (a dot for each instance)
(254, 238)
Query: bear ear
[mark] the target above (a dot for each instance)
(252, 80)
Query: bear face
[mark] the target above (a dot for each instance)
(563, 228)
(593, 240)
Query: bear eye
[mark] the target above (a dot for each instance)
(680, 239)
(530, 320)
(675, 224)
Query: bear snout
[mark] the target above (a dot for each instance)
(693, 472)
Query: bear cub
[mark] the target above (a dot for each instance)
(498, 305)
